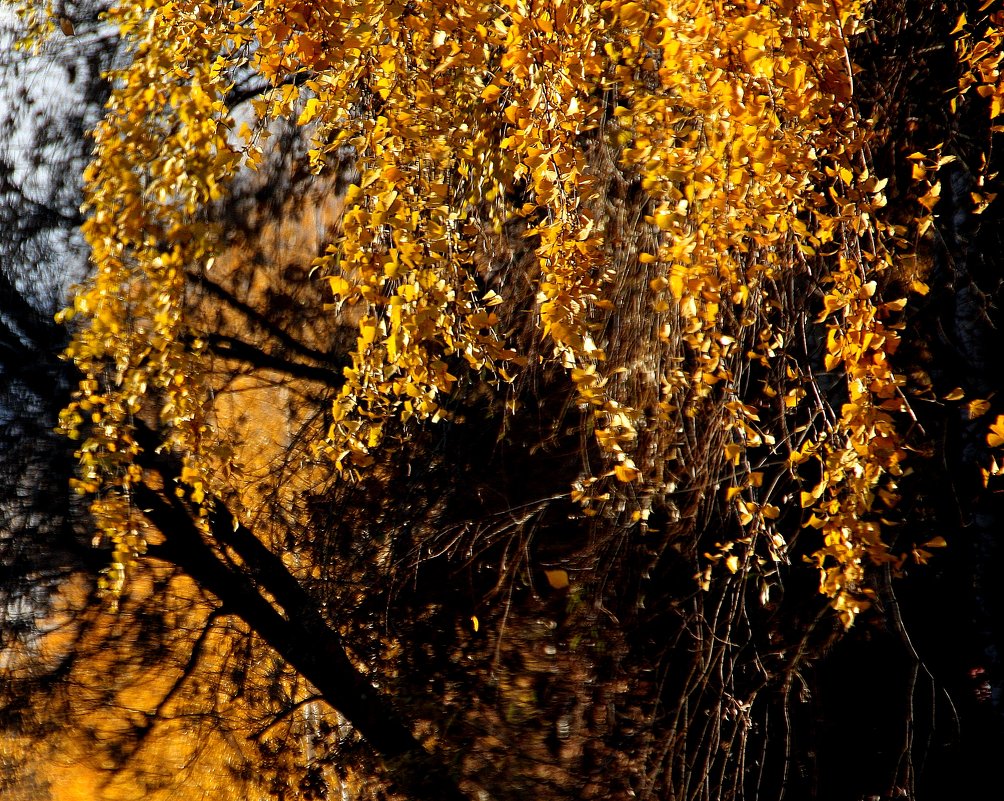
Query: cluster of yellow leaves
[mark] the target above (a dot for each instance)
(737, 119)
(980, 50)
(980, 53)
(747, 140)
(162, 155)
(38, 23)
(859, 464)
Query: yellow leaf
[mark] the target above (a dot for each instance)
(977, 408)
(732, 563)
(930, 198)
(733, 452)
(996, 436)
(664, 220)
(309, 111)
(626, 472)
(633, 15)
(367, 330)
(557, 578)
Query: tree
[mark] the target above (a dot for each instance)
(614, 301)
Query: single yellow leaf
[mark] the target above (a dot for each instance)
(664, 220)
(633, 15)
(977, 408)
(996, 436)
(557, 578)
(309, 111)
(626, 472)
(733, 452)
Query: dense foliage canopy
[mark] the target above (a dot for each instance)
(516, 373)
(752, 182)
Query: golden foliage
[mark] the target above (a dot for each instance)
(737, 120)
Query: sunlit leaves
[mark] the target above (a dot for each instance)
(980, 48)
(736, 123)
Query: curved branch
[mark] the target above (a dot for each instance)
(293, 626)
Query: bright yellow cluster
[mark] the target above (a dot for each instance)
(161, 156)
(736, 118)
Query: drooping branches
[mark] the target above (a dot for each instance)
(738, 125)
(635, 257)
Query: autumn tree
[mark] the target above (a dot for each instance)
(542, 388)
